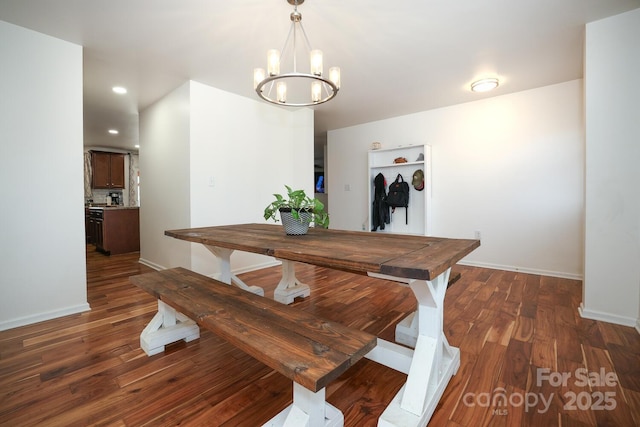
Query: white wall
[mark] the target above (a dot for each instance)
(250, 149)
(509, 166)
(164, 179)
(612, 255)
(239, 151)
(42, 247)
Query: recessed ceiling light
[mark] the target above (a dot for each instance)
(484, 85)
(119, 90)
(113, 131)
(136, 146)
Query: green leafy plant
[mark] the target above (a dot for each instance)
(297, 201)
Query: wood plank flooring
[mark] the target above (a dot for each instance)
(517, 333)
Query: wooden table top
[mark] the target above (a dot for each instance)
(399, 255)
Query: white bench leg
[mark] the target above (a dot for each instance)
(166, 327)
(290, 287)
(308, 409)
(224, 258)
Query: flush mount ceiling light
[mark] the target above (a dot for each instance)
(119, 90)
(484, 85)
(113, 131)
(295, 88)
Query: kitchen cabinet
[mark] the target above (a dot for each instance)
(88, 226)
(87, 236)
(94, 226)
(115, 230)
(107, 170)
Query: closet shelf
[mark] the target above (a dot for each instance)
(420, 163)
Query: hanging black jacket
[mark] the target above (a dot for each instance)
(380, 210)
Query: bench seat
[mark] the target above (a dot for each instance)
(309, 350)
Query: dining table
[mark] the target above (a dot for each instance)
(421, 350)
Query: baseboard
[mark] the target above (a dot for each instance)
(237, 271)
(255, 267)
(638, 325)
(607, 317)
(559, 274)
(150, 264)
(41, 317)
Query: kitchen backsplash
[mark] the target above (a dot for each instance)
(100, 196)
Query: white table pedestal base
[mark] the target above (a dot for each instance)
(395, 416)
(290, 287)
(429, 366)
(224, 259)
(308, 409)
(407, 330)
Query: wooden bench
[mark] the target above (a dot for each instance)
(310, 351)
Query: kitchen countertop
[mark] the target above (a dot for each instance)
(112, 207)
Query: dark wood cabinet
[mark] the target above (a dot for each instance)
(87, 226)
(107, 170)
(114, 230)
(94, 227)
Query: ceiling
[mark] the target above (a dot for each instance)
(396, 58)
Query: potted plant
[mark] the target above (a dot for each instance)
(297, 210)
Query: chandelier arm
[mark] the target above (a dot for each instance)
(271, 84)
(306, 39)
(295, 56)
(326, 88)
(286, 42)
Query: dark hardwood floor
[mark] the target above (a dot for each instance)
(519, 334)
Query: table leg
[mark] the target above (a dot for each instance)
(167, 326)
(224, 259)
(433, 361)
(308, 409)
(290, 287)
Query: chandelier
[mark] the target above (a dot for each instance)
(295, 88)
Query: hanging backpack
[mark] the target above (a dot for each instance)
(398, 196)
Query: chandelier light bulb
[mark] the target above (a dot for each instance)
(281, 88)
(334, 76)
(316, 91)
(316, 62)
(258, 76)
(273, 62)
